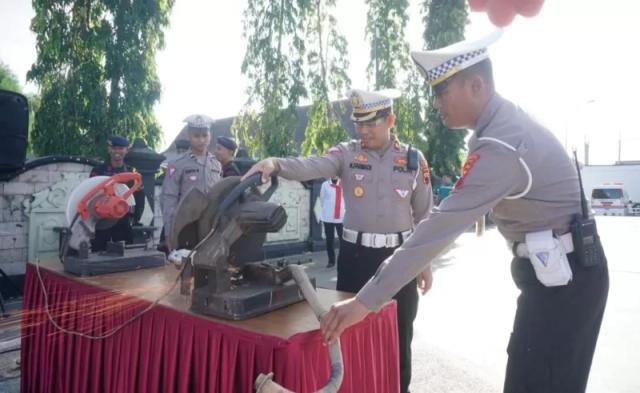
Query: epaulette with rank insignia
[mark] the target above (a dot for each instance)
(354, 144)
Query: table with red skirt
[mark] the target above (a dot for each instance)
(168, 348)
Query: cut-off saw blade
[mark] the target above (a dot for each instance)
(82, 230)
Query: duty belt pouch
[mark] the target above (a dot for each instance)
(548, 258)
(586, 242)
(412, 159)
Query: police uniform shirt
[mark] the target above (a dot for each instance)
(515, 167)
(381, 194)
(230, 169)
(184, 173)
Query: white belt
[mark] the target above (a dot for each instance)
(522, 251)
(375, 240)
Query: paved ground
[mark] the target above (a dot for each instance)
(464, 322)
(9, 354)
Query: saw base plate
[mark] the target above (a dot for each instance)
(246, 301)
(102, 263)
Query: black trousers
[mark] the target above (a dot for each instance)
(555, 329)
(329, 238)
(356, 265)
(120, 232)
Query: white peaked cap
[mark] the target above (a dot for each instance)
(440, 64)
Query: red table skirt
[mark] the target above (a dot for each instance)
(170, 350)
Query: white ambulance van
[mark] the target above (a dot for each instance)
(611, 199)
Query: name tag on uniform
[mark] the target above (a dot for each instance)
(357, 165)
(191, 170)
(193, 177)
(400, 169)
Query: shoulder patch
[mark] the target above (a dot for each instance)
(426, 173)
(353, 145)
(466, 168)
(333, 150)
(171, 170)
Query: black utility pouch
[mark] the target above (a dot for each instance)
(586, 242)
(412, 159)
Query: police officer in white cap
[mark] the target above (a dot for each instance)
(195, 168)
(386, 193)
(518, 170)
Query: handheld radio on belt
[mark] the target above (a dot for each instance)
(584, 232)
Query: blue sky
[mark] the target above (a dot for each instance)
(575, 67)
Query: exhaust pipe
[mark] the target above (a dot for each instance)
(264, 383)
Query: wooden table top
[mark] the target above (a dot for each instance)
(149, 284)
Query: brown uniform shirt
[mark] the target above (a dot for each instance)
(381, 194)
(517, 169)
(184, 173)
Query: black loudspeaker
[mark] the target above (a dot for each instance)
(14, 127)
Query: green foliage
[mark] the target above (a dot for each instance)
(410, 111)
(8, 80)
(96, 70)
(328, 65)
(323, 129)
(386, 24)
(34, 107)
(445, 21)
(273, 63)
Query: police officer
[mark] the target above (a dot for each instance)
(117, 147)
(182, 145)
(195, 168)
(225, 152)
(386, 193)
(520, 171)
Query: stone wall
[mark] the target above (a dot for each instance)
(15, 203)
(34, 203)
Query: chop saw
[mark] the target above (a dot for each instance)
(224, 230)
(98, 203)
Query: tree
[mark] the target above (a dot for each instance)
(328, 65)
(445, 21)
(8, 80)
(96, 71)
(386, 24)
(273, 63)
(410, 111)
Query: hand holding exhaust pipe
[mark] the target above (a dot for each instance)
(342, 315)
(264, 382)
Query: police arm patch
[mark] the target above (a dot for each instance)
(426, 173)
(466, 168)
(172, 171)
(333, 150)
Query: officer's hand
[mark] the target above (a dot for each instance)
(341, 315)
(425, 280)
(266, 166)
